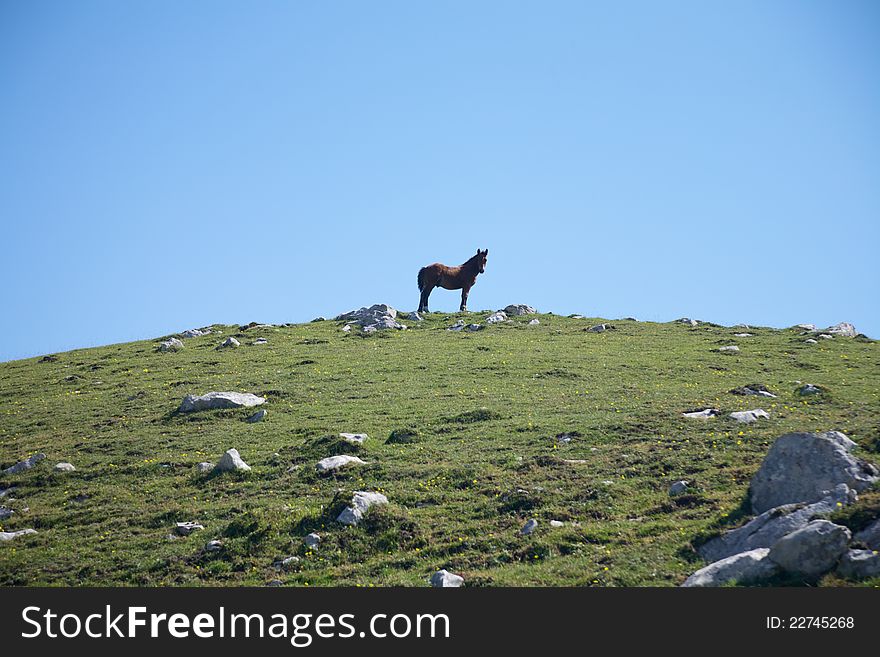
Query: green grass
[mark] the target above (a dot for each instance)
(462, 440)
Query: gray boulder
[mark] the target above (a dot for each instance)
(809, 389)
(354, 438)
(259, 416)
(195, 333)
(811, 550)
(214, 400)
(844, 329)
(529, 527)
(519, 309)
(859, 564)
(870, 535)
(5, 512)
(599, 328)
(64, 467)
(678, 488)
(475, 327)
(361, 501)
(534, 322)
(312, 540)
(811, 341)
(213, 546)
(377, 317)
(747, 417)
(21, 466)
(459, 325)
(415, 317)
(800, 467)
(806, 327)
(228, 343)
(444, 579)
(687, 320)
(743, 568)
(497, 318)
(171, 344)
(729, 349)
(204, 467)
(332, 463)
(8, 536)
(231, 461)
(767, 528)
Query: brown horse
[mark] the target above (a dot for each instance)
(461, 278)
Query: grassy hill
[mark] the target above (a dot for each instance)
(475, 418)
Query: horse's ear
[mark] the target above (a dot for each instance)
(479, 252)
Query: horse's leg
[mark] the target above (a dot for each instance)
(464, 295)
(423, 303)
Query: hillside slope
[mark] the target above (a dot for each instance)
(477, 417)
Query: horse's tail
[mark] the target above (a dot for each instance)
(421, 277)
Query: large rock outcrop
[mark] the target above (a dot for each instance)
(802, 467)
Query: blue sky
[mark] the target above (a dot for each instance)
(165, 165)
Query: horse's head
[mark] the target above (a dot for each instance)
(481, 259)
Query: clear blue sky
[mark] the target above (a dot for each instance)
(165, 165)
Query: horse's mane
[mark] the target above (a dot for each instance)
(470, 261)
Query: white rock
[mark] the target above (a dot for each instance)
(474, 327)
(346, 328)
(688, 321)
(806, 327)
(534, 322)
(204, 467)
(335, 462)
(415, 317)
(844, 329)
(599, 328)
(229, 342)
(195, 333)
(360, 503)
(444, 579)
(747, 417)
(63, 467)
(529, 527)
(213, 400)
(260, 341)
(459, 325)
(702, 414)
(21, 466)
(859, 564)
(187, 528)
(519, 309)
(312, 540)
(171, 344)
(213, 546)
(729, 348)
(678, 488)
(811, 550)
(811, 341)
(801, 467)
(767, 528)
(743, 335)
(354, 438)
(825, 336)
(231, 461)
(744, 568)
(497, 318)
(8, 536)
(557, 523)
(377, 317)
(259, 416)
